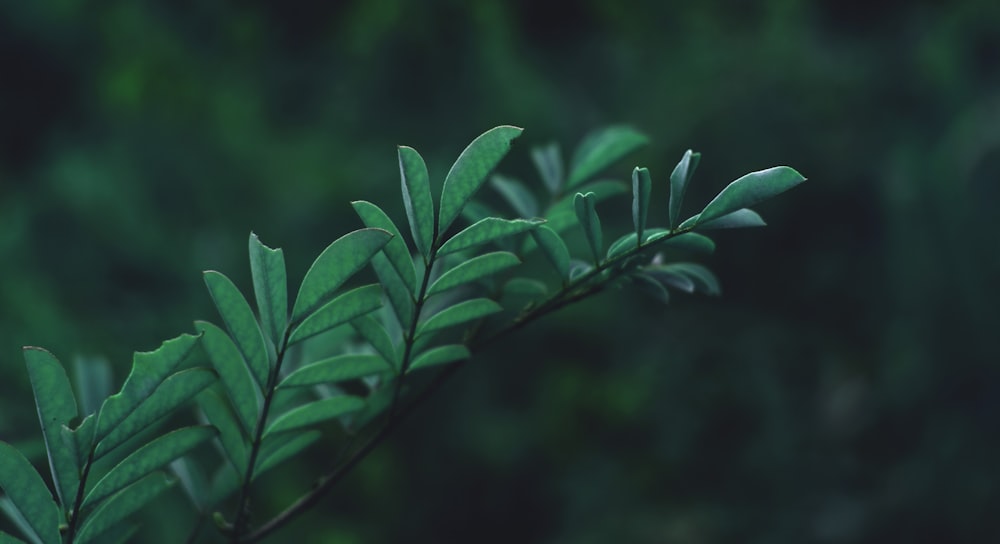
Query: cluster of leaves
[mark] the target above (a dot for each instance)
(266, 381)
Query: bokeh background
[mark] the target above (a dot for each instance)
(844, 389)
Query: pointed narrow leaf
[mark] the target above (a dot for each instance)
(232, 437)
(8, 539)
(622, 246)
(670, 278)
(517, 195)
(703, 278)
(242, 324)
(336, 369)
(270, 287)
(233, 373)
(315, 412)
(56, 406)
(463, 312)
(641, 185)
(470, 170)
(400, 298)
(193, 481)
(374, 333)
(548, 161)
(750, 190)
(396, 250)
(602, 148)
(554, 249)
(474, 269)
(354, 303)
(586, 214)
(173, 392)
(146, 459)
(149, 369)
(92, 376)
(739, 219)
(417, 198)
(121, 505)
(276, 449)
(338, 262)
(679, 179)
(439, 356)
(651, 286)
(14, 515)
(487, 230)
(525, 287)
(690, 241)
(28, 495)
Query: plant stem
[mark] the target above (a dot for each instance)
(74, 518)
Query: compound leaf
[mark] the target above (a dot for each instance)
(417, 198)
(149, 369)
(155, 454)
(233, 373)
(29, 498)
(586, 214)
(56, 406)
(242, 324)
(470, 170)
(600, 149)
(474, 269)
(337, 369)
(641, 186)
(517, 195)
(439, 356)
(487, 230)
(739, 219)
(270, 287)
(338, 262)
(315, 412)
(679, 179)
(396, 250)
(174, 391)
(121, 505)
(354, 303)
(750, 190)
(460, 313)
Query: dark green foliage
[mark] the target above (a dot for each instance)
(270, 388)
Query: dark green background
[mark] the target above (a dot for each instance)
(844, 389)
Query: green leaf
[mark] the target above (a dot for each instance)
(28, 495)
(622, 246)
(315, 412)
(554, 249)
(548, 161)
(586, 214)
(474, 269)
(233, 373)
(338, 262)
(417, 199)
(439, 356)
(149, 369)
(641, 186)
(270, 286)
(276, 449)
(173, 392)
(526, 287)
(602, 189)
(92, 376)
(8, 539)
(600, 149)
(651, 286)
(679, 179)
(750, 190)
(354, 303)
(146, 459)
(690, 241)
(739, 219)
(233, 439)
(336, 369)
(460, 313)
(517, 195)
(670, 279)
(193, 481)
(487, 230)
(475, 211)
(121, 505)
(400, 298)
(470, 170)
(396, 250)
(702, 278)
(374, 333)
(56, 406)
(242, 324)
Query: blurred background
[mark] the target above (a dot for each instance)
(845, 388)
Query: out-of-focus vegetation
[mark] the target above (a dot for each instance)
(844, 389)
